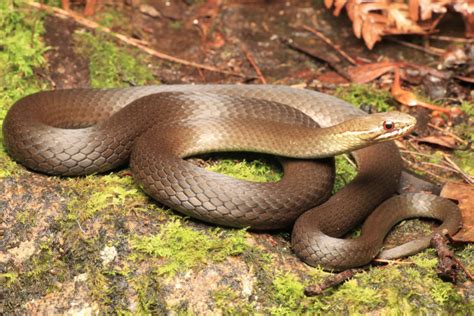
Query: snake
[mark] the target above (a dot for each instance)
(75, 132)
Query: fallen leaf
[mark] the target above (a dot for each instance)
(338, 6)
(464, 193)
(398, 16)
(408, 98)
(440, 140)
(332, 77)
(414, 9)
(328, 3)
(369, 72)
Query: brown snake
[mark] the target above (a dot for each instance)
(83, 131)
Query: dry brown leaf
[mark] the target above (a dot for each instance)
(369, 72)
(362, 13)
(373, 29)
(338, 6)
(414, 9)
(332, 77)
(440, 140)
(408, 98)
(328, 3)
(398, 17)
(464, 193)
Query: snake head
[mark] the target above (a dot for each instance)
(380, 127)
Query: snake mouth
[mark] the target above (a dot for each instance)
(395, 133)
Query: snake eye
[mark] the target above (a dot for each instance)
(388, 125)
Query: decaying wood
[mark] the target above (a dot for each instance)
(447, 268)
(63, 14)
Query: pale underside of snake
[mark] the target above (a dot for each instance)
(84, 131)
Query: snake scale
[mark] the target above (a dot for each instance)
(83, 131)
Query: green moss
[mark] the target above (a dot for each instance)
(93, 194)
(20, 54)
(468, 108)
(25, 218)
(9, 278)
(183, 248)
(231, 302)
(149, 295)
(358, 95)
(111, 65)
(176, 25)
(112, 18)
(345, 172)
(45, 270)
(288, 295)
(254, 170)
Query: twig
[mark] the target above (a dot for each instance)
(63, 14)
(467, 177)
(349, 160)
(448, 133)
(80, 227)
(331, 281)
(466, 271)
(330, 43)
(446, 168)
(452, 39)
(252, 62)
(432, 50)
(334, 64)
(412, 153)
(414, 166)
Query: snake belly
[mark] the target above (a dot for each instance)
(83, 131)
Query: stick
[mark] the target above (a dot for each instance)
(448, 133)
(330, 43)
(334, 64)
(466, 176)
(331, 281)
(452, 39)
(431, 50)
(63, 14)
(414, 166)
(252, 62)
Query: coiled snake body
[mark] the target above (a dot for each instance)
(83, 131)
